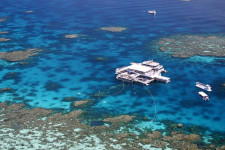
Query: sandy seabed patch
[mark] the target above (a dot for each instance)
(4, 39)
(72, 36)
(113, 29)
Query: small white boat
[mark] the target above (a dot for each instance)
(203, 95)
(204, 86)
(152, 12)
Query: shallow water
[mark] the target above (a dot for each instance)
(72, 67)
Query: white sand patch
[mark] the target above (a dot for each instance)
(149, 147)
(30, 139)
(89, 143)
(207, 139)
(77, 130)
(117, 146)
(151, 125)
(205, 59)
(6, 130)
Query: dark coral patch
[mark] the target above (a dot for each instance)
(65, 80)
(195, 114)
(7, 89)
(12, 76)
(167, 112)
(206, 117)
(31, 94)
(53, 86)
(55, 98)
(51, 75)
(97, 123)
(69, 99)
(45, 68)
(216, 118)
(193, 103)
(219, 88)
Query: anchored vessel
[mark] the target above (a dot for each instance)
(204, 96)
(152, 12)
(204, 86)
(144, 72)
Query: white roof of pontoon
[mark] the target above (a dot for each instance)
(151, 63)
(139, 67)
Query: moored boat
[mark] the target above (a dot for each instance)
(152, 12)
(203, 95)
(206, 87)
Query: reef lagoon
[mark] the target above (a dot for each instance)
(58, 88)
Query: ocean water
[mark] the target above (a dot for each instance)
(84, 66)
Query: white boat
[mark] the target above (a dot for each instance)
(152, 12)
(204, 86)
(204, 96)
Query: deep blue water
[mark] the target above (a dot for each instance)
(71, 65)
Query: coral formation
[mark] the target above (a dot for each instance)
(29, 11)
(190, 45)
(101, 58)
(19, 55)
(69, 99)
(2, 19)
(72, 36)
(180, 125)
(120, 119)
(53, 86)
(113, 29)
(4, 32)
(44, 129)
(15, 76)
(4, 39)
(80, 103)
(6, 89)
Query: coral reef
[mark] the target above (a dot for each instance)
(4, 32)
(101, 58)
(221, 148)
(29, 11)
(80, 103)
(113, 29)
(2, 19)
(44, 129)
(182, 141)
(180, 125)
(53, 86)
(4, 39)
(190, 45)
(15, 76)
(219, 87)
(6, 89)
(72, 36)
(19, 55)
(120, 119)
(69, 99)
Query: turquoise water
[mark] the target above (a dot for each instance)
(71, 67)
